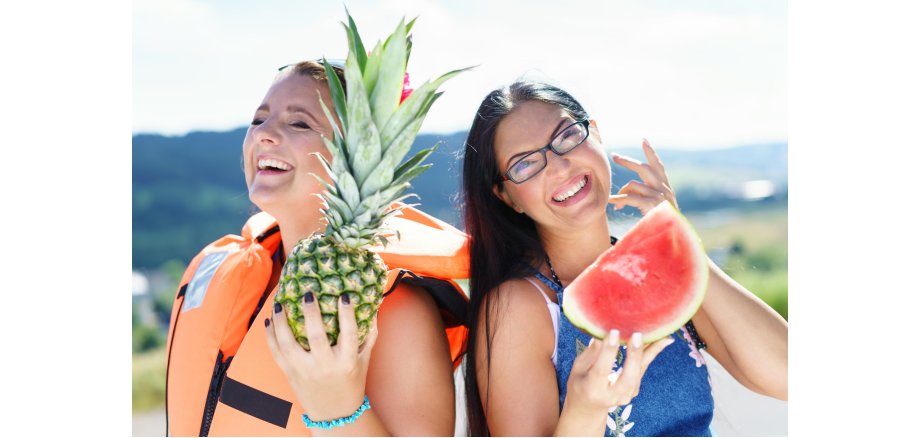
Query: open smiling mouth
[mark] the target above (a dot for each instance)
(273, 165)
(572, 191)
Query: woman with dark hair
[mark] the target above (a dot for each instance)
(536, 184)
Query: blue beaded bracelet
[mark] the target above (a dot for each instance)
(329, 424)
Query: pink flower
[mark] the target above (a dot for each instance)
(406, 91)
(694, 353)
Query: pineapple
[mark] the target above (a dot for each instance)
(377, 132)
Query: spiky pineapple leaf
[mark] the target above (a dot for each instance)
(409, 39)
(372, 68)
(418, 158)
(431, 101)
(394, 193)
(337, 137)
(333, 196)
(411, 108)
(355, 46)
(411, 173)
(397, 210)
(409, 25)
(334, 218)
(363, 219)
(388, 90)
(362, 139)
(348, 189)
(326, 166)
(342, 208)
(339, 162)
(408, 50)
(337, 92)
(332, 201)
(391, 157)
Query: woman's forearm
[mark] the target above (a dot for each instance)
(368, 424)
(574, 421)
(753, 334)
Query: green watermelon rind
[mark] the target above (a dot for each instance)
(580, 320)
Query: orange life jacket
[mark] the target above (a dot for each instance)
(221, 378)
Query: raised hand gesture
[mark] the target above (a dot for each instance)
(654, 187)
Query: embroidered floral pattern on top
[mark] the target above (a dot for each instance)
(617, 424)
(694, 352)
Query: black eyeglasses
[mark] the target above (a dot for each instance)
(338, 64)
(531, 164)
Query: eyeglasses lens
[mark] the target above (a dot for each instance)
(532, 164)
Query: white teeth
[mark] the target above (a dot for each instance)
(572, 191)
(266, 163)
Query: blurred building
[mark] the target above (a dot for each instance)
(142, 300)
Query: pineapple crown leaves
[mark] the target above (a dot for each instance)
(376, 133)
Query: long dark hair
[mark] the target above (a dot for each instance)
(500, 238)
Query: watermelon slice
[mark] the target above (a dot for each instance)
(652, 281)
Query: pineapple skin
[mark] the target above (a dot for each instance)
(328, 269)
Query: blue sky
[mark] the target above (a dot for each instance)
(682, 74)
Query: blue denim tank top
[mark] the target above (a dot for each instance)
(675, 396)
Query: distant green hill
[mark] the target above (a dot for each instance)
(189, 190)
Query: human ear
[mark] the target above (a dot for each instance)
(506, 198)
(597, 133)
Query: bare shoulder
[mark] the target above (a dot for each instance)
(515, 373)
(409, 309)
(410, 374)
(518, 315)
(409, 323)
(518, 299)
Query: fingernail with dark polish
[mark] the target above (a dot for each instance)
(267, 322)
(308, 297)
(345, 299)
(277, 307)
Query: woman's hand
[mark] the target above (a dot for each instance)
(731, 318)
(593, 388)
(329, 381)
(654, 187)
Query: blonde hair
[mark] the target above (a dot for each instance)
(315, 70)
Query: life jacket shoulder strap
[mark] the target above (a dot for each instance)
(447, 295)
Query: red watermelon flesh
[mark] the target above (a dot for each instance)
(652, 281)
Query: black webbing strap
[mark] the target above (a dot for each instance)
(180, 294)
(268, 233)
(449, 300)
(252, 401)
